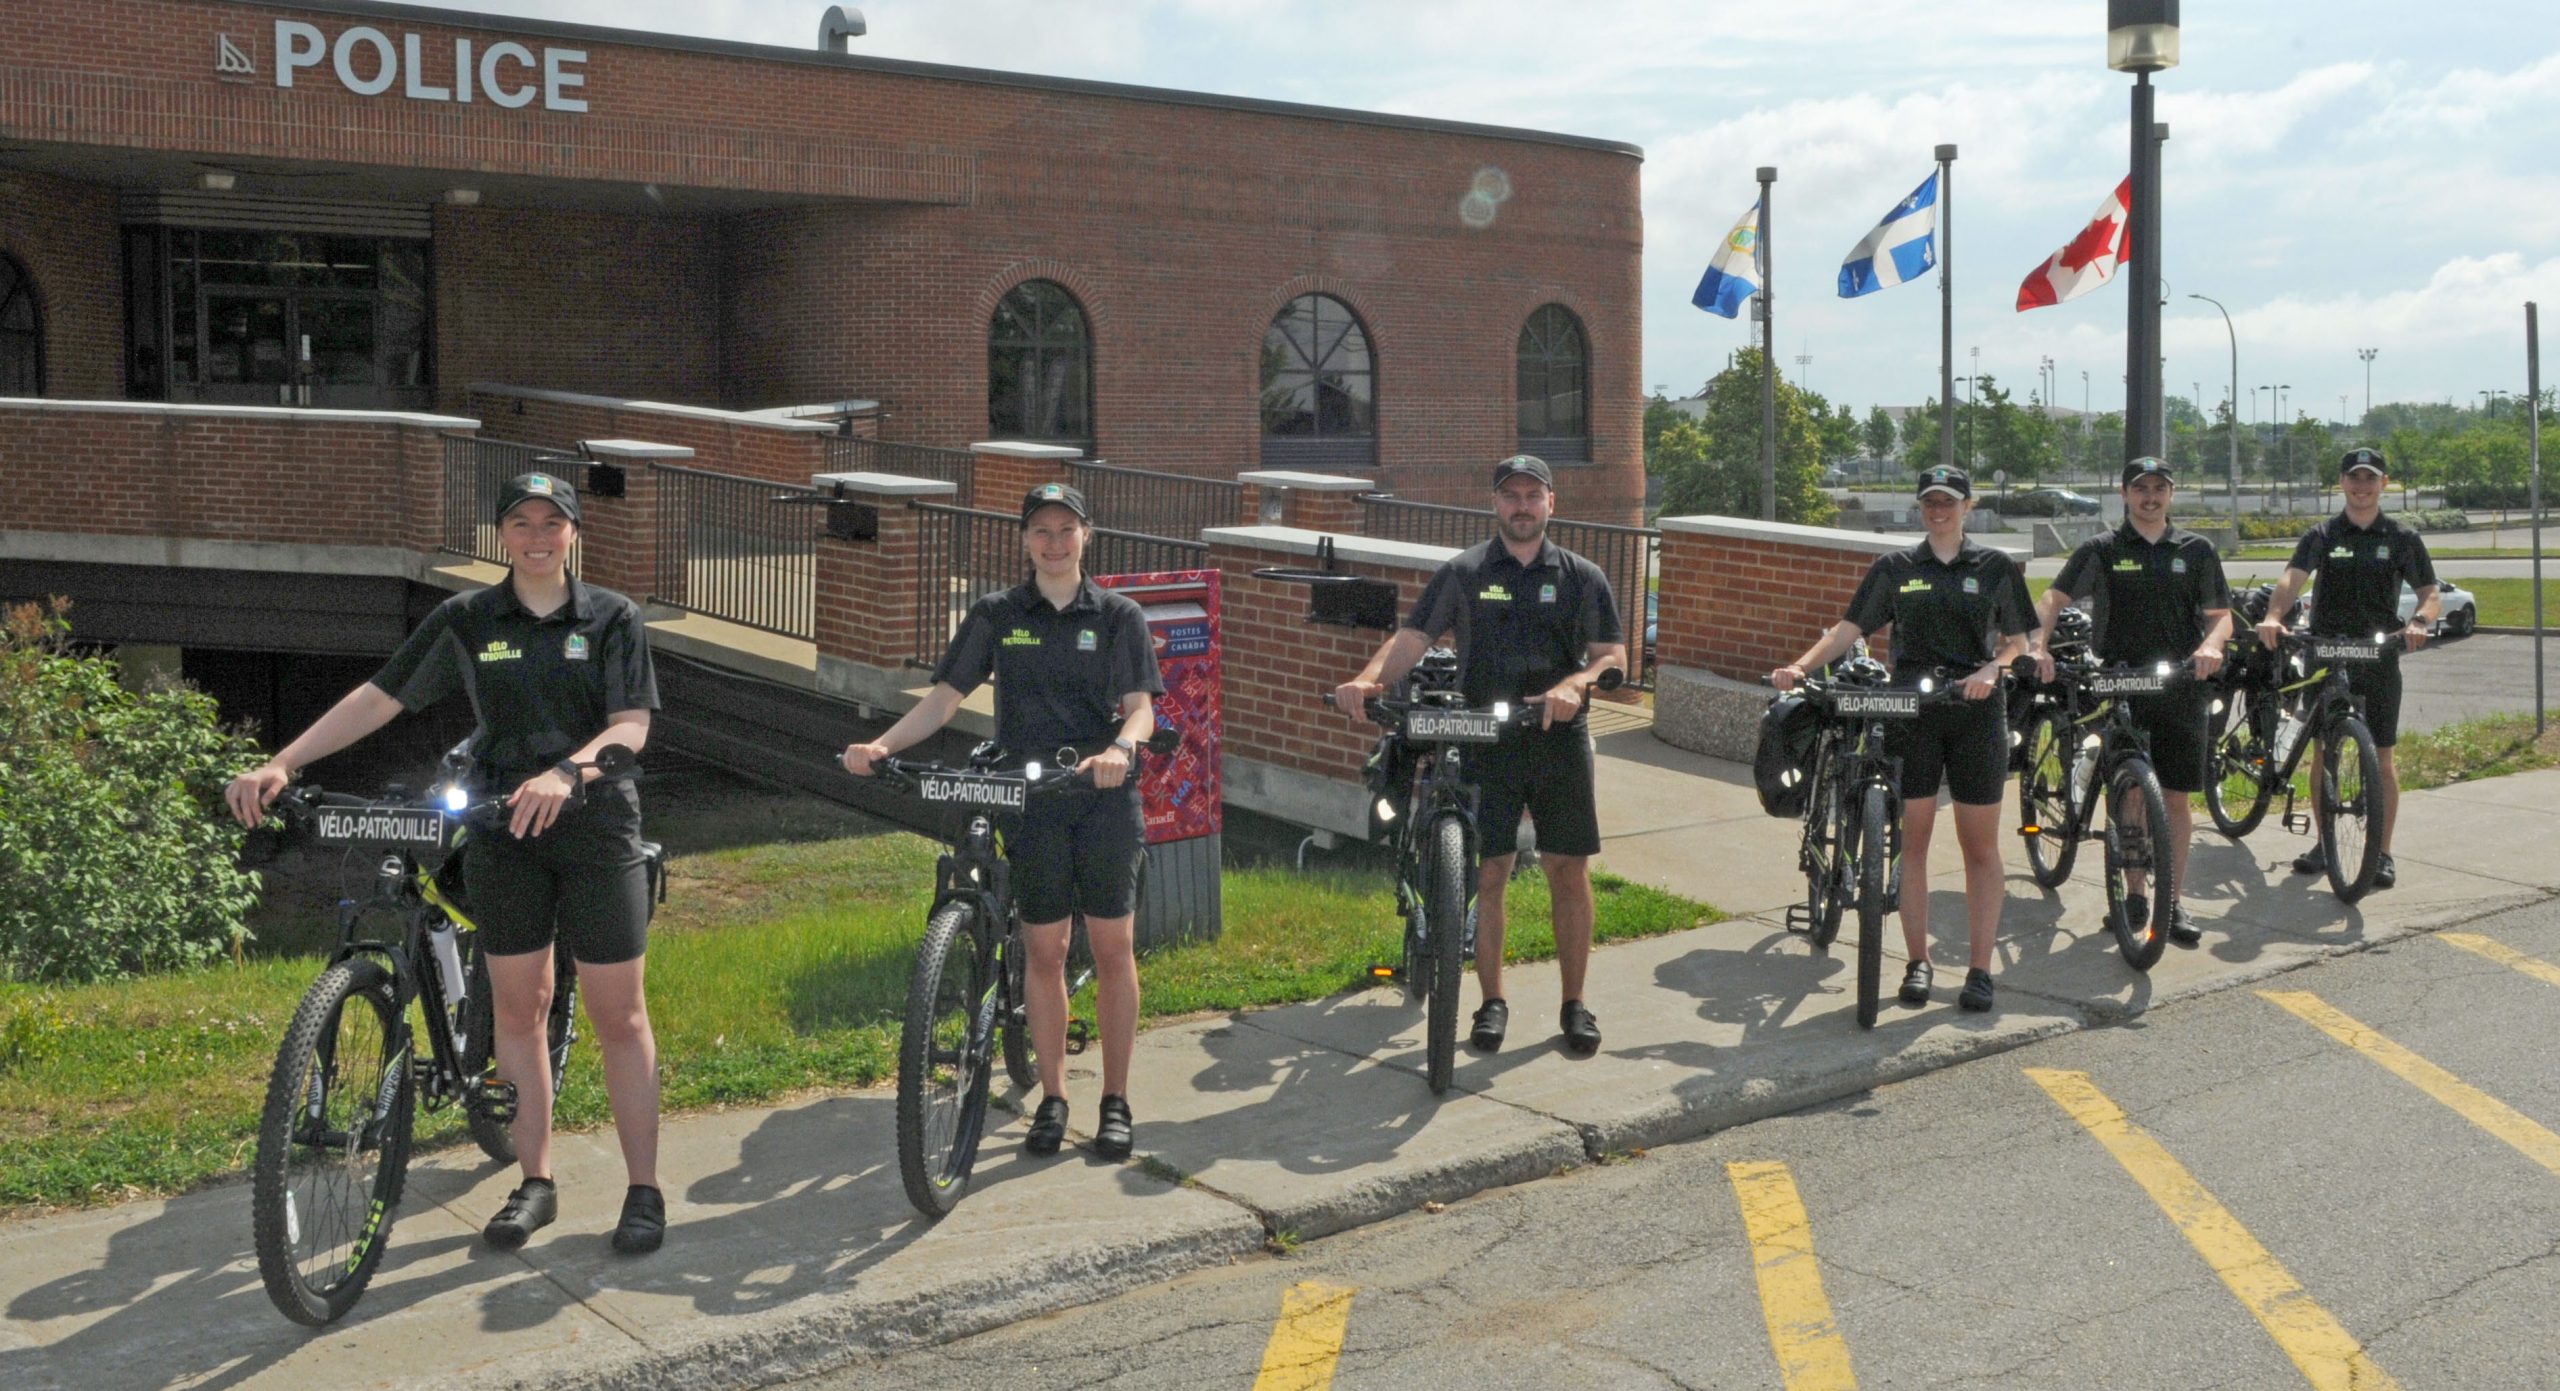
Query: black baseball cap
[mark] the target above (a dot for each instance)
(1055, 495)
(2363, 456)
(549, 487)
(1945, 478)
(1519, 464)
(2148, 466)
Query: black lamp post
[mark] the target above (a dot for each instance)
(2142, 38)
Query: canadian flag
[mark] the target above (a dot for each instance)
(2085, 262)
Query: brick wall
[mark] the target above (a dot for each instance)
(722, 442)
(901, 204)
(1744, 597)
(64, 234)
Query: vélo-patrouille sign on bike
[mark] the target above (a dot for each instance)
(995, 793)
(380, 826)
(1873, 705)
(1452, 726)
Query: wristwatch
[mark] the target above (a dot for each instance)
(568, 768)
(1126, 745)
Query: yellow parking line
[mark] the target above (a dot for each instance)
(2503, 954)
(1810, 1354)
(1307, 1340)
(2321, 1349)
(2467, 1101)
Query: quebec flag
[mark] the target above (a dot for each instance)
(1733, 277)
(1902, 247)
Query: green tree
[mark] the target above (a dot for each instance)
(1920, 434)
(1713, 465)
(1839, 432)
(1879, 434)
(1658, 415)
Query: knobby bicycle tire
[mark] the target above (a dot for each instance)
(2350, 808)
(1445, 907)
(496, 1138)
(944, 1049)
(1014, 1016)
(1876, 813)
(2240, 772)
(2142, 941)
(333, 1144)
(2044, 801)
(1826, 888)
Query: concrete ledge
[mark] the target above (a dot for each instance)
(1310, 482)
(617, 403)
(1705, 713)
(1019, 449)
(186, 553)
(276, 413)
(1290, 540)
(1324, 804)
(884, 484)
(1790, 534)
(633, 449)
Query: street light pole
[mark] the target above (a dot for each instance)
(2234, 335)
(1768, 175)
(2367, 354)
(2142, 38)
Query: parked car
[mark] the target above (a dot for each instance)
(2458, 610)
(2048, 502)
(1652, 606)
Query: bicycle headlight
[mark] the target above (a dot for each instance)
(1386, 811)
(455, 798)
(1502, 709)
(1031, 771)
(2164, 668)
(1927, 684)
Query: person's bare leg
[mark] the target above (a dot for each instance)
(1978, 836)
(1569, 898)
(520, 987)
(618, 1006)
(1493, 877)
(1115, 975)
(1044, 999)
(1919, 825)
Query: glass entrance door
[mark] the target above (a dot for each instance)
(279, 318)
(248, 360)
(334, 337)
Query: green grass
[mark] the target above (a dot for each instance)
(2508, 603)
(2285, 552)
(2489, 747)
(778, 965)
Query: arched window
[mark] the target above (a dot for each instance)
(21, 332)
(1319, 388)
(1040, 366)
(1555, 379)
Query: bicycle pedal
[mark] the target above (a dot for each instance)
(495, 1101)
(1799, 918)
(1385, 975)
(2298, 822)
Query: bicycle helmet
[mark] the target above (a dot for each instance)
(2072, 633)
(1437, 671)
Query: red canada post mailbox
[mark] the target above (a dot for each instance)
(1182, 793)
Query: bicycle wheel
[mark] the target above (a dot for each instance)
(2240, 766)
(2349, 803)
(2044, 801)
(943, 1052)
(1015, 1018)
(2135, 784)
(1877, 809)
(1827, 888)
(333, 1144)
(1446, 909)
(496, 1138)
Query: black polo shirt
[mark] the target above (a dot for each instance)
(1060, 672)
(541, 687)
(2148, 599)
(2360, 569)
(1520, 628)
(1943, 613)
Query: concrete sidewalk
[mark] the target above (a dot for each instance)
(793, 1249)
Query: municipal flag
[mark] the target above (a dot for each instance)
(1902, 247)
(2085, 262)
(1734, 275)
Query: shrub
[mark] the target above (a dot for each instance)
(2436, 519)
(2274, 528)
(115, 857)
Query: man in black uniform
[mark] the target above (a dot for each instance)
(1533, 622)
(2156, 594)
(2362, 558)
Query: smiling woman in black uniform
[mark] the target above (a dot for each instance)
(555, 671)
(1073, 666)
(1945, 600)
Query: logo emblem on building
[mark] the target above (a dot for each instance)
(230, 60)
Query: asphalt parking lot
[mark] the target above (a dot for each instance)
(2455, 679)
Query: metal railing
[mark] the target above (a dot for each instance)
(1145, 502)
(474, 470)
(965, 553)
(728, 548)
(1628, 555)
(852, 454)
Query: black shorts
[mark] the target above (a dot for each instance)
(1077, 851)
(2175, 719)
(2378, 684)
(1963, 744)
(584, 881)
(1546, 773)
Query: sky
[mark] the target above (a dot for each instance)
(2339, 174)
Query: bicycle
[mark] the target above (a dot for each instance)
(1851, 852)
(2304, 691)
(1423, 785)
(2080, 739)
(341, 1108)
(2244, 712)
(965, 992)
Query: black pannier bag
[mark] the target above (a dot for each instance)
(1782, 768)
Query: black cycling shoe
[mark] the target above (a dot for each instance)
(644, 1221)
(529, 1209)
(1493, 1017)
(1976, 995)
(1048, 1127)
(2385, 873)
(1916, 979)
(2183, 929)
(2137, 911)
(2312, 861)
(1581, 1031)
(1115, 1137)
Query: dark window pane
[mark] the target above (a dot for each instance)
(1040, 365)
(1318, 380)
(21, 333)
(1553, 367)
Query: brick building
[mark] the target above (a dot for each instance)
(376, 206)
